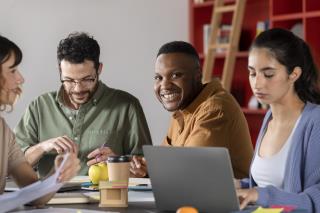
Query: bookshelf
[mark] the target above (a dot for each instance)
(301, 16)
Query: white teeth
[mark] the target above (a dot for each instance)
(170, 97)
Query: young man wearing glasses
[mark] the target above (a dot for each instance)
(84, 113)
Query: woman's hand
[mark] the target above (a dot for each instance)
(70, 168)
(247, 196)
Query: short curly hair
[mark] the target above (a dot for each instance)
(180, 47)
(77, 47)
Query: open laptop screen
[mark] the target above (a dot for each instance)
(191, 176)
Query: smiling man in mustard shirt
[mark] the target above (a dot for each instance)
(202, 114)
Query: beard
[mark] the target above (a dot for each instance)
(81, 97)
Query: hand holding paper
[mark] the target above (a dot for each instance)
(66, 170)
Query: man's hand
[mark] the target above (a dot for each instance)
(247, 196)
(60, 144)
(138, 166)
(99, 155)
(237, 184)
(70, 168)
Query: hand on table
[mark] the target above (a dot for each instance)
(138, 166)
(247, 196)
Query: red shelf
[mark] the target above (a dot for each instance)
(255, 119)
(312, 5)
(279, 7)
(312, 14)
(286, 17)
(286, 24)
(240, 54)
(280, 13)
(204, 4)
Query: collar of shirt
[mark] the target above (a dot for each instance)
(180, 115)
(206, 92)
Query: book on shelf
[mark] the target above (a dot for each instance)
(262, 26)
(206, 37)
(200, 1)
(223, 36)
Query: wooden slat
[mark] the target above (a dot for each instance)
(231, 48)
(225, 9)
(222, 46)
(228, 68)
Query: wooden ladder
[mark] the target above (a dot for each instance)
(230, 48)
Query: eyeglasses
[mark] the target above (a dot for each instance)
(86, 82)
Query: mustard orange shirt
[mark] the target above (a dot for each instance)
(214, 119)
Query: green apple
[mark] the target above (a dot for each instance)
(98, 172)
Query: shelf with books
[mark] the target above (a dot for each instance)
(302, 18)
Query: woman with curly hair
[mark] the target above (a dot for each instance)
(12, 160)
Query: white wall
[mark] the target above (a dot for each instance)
(129, 32)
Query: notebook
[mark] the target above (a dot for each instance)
(201, 177)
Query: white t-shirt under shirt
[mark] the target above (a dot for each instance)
(271, 170)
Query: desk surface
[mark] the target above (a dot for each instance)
(138, 204)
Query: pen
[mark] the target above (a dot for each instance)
(86, 184)
(99, 155)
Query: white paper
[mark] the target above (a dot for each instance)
(12, 200)
(133, 196)
(137, 181)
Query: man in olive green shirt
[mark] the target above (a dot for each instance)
(83, 114)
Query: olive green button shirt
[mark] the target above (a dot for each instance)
(111, 117)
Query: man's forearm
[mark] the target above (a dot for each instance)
(34, 153)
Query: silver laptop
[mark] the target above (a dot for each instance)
(201, 177)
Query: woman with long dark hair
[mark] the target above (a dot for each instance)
(285, 169)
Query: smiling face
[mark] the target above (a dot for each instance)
(11, 80)
(84, 78)
(269, 79)
(177, 80)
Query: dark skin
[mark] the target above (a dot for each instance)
(177, 80)
(177, 83)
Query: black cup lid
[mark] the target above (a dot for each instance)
(119, 159)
